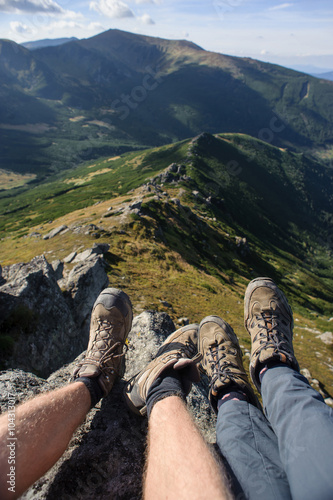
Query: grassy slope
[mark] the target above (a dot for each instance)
(188, 255)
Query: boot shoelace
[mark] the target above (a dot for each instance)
(109, 352)
(222, 369)
(270, 334)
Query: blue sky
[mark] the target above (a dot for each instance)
(298, 33)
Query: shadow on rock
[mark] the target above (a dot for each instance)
(108, 463)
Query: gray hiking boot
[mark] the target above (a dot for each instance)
(269, 320)
(179, 351)
(111, 321)
(222, 360)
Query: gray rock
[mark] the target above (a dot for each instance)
(90, 228)
(84, 256)
(70, 258)
(135, 205)
(84, 283)
(165, 303)
(148, 331)
(183, 321)
(101, 248)
(48, 327)
(242, 246)
(105, 458)
(306, 373)
(54, 232)
(34, 312)
(58, 268)
(90, 253)
(326, 337)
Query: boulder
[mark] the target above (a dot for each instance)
(42, 326)
(90, 253)
(70, 258)
(326, 337)
(34, 313)
(84, 283)
(58, 268)
(54, 232)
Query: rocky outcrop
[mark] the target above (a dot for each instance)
(45, 311)
(33, 313)
(105, 458)
(84, 283)
(55, 232)
(170, 175)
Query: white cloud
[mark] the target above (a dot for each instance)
(40, 7)
(30, 6)
(146, 19)
(20, 28)
(281, 6)
(112, 8)
(69, 26)
(147, 1)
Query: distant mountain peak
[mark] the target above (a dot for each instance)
(47, 42)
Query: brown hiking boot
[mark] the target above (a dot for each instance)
(179, 351)
(111, 321)
(269, 321)
(222, 360)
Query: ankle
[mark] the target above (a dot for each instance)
(231, 394)
(95, 390)
(264, 368)
(166, 385)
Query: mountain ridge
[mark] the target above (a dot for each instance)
(120, 90)
(47, 42)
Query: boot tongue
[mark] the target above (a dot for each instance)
(267, 316)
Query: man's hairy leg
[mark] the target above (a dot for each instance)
(179, 463)
(44, 426)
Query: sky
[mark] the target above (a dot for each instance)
(296, 34)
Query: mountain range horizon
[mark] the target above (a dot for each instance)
(313, 70)
(118, 91)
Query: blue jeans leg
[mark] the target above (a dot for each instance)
(303, 424)
(248, 443)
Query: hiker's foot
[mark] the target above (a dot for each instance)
(178, 354)
(269, 321)
(222, 360)
(111, 321)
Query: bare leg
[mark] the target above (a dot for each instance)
(43, 428)
(180, 464)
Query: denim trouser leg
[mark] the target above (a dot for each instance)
(248, 443)
(303, 424)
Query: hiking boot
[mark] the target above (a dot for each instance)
(269, 321)
(222, 360)
(111, 321)
(179, 351)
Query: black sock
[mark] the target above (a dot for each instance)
(233, 392)
(167, 384)
(95, 390)
(271, 364)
